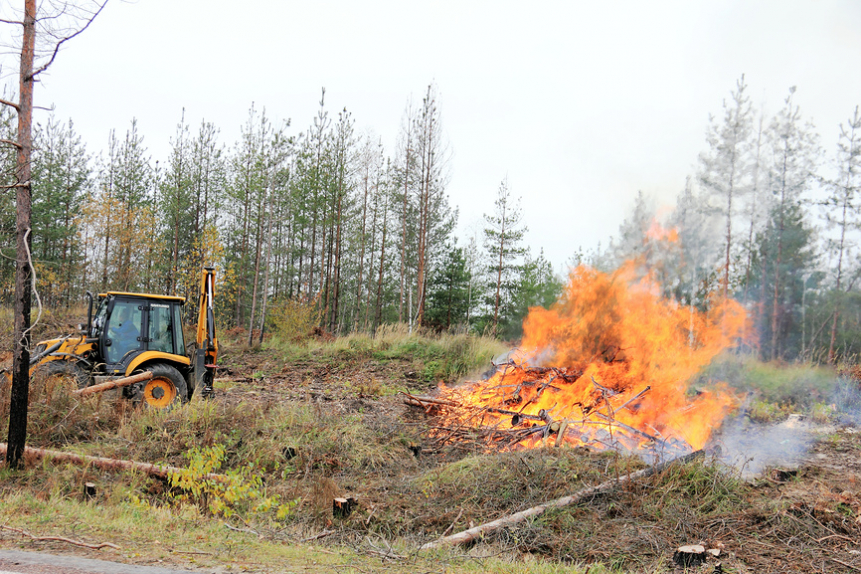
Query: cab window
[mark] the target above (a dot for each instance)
(124, 330)
(160, 328)
(177, 320)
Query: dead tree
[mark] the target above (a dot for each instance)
(46, 23)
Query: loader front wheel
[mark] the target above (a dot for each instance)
(166, 388)
(58, 370)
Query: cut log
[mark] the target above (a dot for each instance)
(692, 555)
(112, 464)
(115, 384)
(482, 529)
(89, 490)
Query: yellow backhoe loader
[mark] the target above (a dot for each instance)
(137, 332)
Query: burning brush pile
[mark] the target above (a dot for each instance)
(607, 367)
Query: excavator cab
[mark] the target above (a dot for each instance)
(135, 328)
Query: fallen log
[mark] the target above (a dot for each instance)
(477, 531)
(111, 464)
(124, 382)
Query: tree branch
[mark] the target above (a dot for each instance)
(2, 21)
(10, 104)
(10, 142)
(60, 539)
(67, 38)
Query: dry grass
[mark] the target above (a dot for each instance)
(318, 420)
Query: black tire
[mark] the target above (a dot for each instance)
(166, 380)
(69, 369)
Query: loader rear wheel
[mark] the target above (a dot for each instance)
(167, 387)
(57, 370)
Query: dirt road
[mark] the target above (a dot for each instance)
(18, 562)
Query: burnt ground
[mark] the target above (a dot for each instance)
(803, 515)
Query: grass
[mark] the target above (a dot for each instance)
(776, 390)
(322, 420)
(438, 357)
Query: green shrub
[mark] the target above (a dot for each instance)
(236, 491)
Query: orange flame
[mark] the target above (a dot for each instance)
(658, 232)
(608, 338)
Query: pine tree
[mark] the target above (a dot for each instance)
(448, 292)
(725, 167)
(794, 152)
(842, 208)
(787, 232)
(503, 241)
(537, 286)
(61, 176)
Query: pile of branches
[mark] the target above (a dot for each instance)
(505, 425)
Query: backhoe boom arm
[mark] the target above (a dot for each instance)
(206, 352)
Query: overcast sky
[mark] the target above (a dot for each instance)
(579, 104)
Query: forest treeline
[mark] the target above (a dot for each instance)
(323, 223)
(330, 225)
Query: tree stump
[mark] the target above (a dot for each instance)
(343, 507)
(692, 555)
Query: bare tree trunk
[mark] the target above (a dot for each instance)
(362, 247)
(775, 317)
(728, 226)
(112, 145)
(499, 276)
(371, 262)
(258, 249)
(404, 227)
(843, 224)
(17, 436)
(337, 264)
(266, 274)
(379, 306)
(754, 192)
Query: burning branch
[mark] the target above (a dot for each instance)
(527, 429)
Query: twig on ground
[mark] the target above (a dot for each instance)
(246, 530)
(845, 564)
(451, 526)
(59, 539)
(318, 536)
